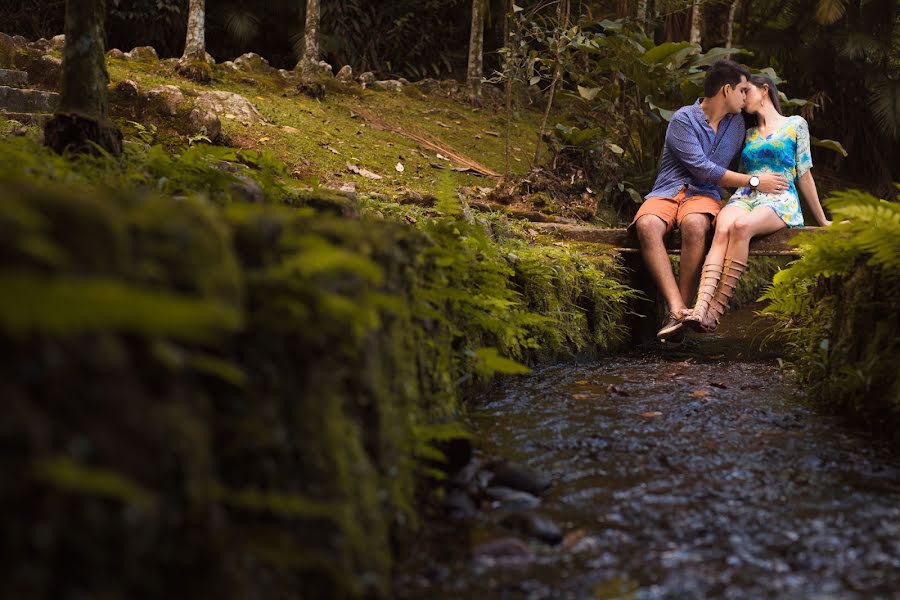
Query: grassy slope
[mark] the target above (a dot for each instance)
(300, 129)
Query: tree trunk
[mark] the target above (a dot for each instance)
(476, 51)
(309, 62)
(195, 46)
(642, 12)
(729, 28)
(82, 118)
(695, 22)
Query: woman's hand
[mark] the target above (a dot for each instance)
(771, 183)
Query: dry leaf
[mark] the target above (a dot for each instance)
(699, 394)
(263, 139)
(581, 396)
(364, 172)
(400, 167)
(582, 382)
(716, 384)
(493, 133)
(444, 125)
(651, 414)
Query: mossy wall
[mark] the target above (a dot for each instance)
(208, 398)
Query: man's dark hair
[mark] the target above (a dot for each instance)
(720, 73)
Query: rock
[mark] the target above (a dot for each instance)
(345, 74)
(44, 70)
(512, 499)
(252, 63)
(127, 89)
(20, 41)
(503, 550)
(533, 525)
(450, 87)
(58, 42)
(116, 54)
(247, 190)
(166, 99)
(142, 53)
(428, 86)
(229, 66)
(229, 105)
(287, 76)
(403, 80)
(465, 476)
(20, 131)
(9, 49)
(459, 505)
(387, 85)
(367, 78)
(519, 477)
(42, 45)
(205, 122)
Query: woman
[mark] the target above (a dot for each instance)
(777, 144)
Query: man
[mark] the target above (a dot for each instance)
(702, 140)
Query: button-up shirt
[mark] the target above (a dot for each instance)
(696, 156)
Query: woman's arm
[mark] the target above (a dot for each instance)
(807, 186)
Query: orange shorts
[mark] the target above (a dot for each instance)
(673, 210)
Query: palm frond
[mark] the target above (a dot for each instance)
(830, 11)
(884, 102)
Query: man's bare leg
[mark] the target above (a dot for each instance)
(694, 233)
(650, 231)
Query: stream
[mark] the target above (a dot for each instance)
(695, 472)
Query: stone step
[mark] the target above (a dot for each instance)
(16, 79)
(37, 119)
(27, 101)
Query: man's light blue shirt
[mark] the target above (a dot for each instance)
(696, 156)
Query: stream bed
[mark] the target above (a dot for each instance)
(688, 473)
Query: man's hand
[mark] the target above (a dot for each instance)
(770, 183)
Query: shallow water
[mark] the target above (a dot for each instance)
(694, 473)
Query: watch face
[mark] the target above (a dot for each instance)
(754, 181)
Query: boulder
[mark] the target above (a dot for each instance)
(519, 477)
(345, 74)
(253, 63)
(247, 189)
(58, 42)
(204, 122)
(428, 85)
(127, 89)
(367, 78)
(229, 105)
(387, 85)
(229, 66)
(166, 99)
(42, 45)
(10, 48)
(116, 54)
(142, 53)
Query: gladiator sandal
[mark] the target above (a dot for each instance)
(719, 304)
(709, 282)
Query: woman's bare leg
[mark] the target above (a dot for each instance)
(762, 220)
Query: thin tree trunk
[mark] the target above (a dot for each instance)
(642, 12)
(695, 22)
(508, 69)
(562, 15)
(195, 45)
(729, 28)
(309, 62)
(476, 51)
(82, 118)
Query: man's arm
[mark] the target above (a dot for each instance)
(682, 142)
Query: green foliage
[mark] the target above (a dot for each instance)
(70, 476)
(837, 308)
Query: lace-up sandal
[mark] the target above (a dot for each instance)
(709, 282)
(732, 272)
(672, 324)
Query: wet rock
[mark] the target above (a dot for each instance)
(166, 99)
(519, 477)
(534, 526)
(503, 549)
(387, 85)
(229, 105)
(205, 122)
(512, 499)
(252, 62)
(116, 54)
(58, 42)
(466, 475)
(143, 54)
(345, 74)
(367, 78)
(459, 505)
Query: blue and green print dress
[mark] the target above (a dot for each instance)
(785, 151)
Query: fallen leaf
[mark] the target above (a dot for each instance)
(572, 538)
(716, 384)
(582, 382)
(651, 414)
(493, 133)
(364, 172)
(263, 139)
(699, 394)
(400, 167)
(581, 396)
(444, 125)
(442, 157)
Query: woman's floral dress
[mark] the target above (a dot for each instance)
(786, 152)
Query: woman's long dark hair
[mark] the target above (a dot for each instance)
(760, 81)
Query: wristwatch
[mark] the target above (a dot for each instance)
(754, 182)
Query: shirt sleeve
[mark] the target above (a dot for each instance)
(682, 142)
(804, 157)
